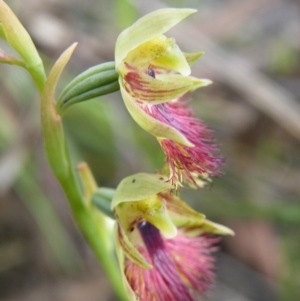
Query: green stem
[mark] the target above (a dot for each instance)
(38, 75)
(54, 141)
(87, 225)
(59, 160)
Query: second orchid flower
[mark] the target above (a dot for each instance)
(163, 245)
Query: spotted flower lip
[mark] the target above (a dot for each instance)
(154, 77)
(164, 247)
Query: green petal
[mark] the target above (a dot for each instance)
(139, 187)
(130, 251)
(142, 56)
(173, 60)
(146, 28)
(161, 52)
(156, 128)
(162, 221)
(121, 258)
(163, 88)
(190, 221)
(215, 228)
(192, 58)
(151, 209)
(166, 87)
(182, 215)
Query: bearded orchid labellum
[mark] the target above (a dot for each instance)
(154, 77)
(164, 247)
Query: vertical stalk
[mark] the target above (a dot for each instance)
(59, 160)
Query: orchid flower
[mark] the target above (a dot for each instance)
(154, 75)
(164, 247)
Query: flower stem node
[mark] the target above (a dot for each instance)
(164, 247)
(95, 81)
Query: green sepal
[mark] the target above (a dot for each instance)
(102, 199)
(121, 258)
(190, 221)
(131, 252)
(146, 28)
(193, 57)
(139, 187)
(96, 81)
(212, 228)
(164, 88)
(181, 213)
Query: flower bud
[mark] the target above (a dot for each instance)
(18, 38)
(95, 81)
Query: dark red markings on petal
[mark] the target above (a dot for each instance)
(135, 81)
(140, 88)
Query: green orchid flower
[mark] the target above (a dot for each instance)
(164, 247)
(154, 75)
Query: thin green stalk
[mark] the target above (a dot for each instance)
(87, 225)
(38, 75)
(59, 160)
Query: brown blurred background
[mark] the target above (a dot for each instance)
(252, 55)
